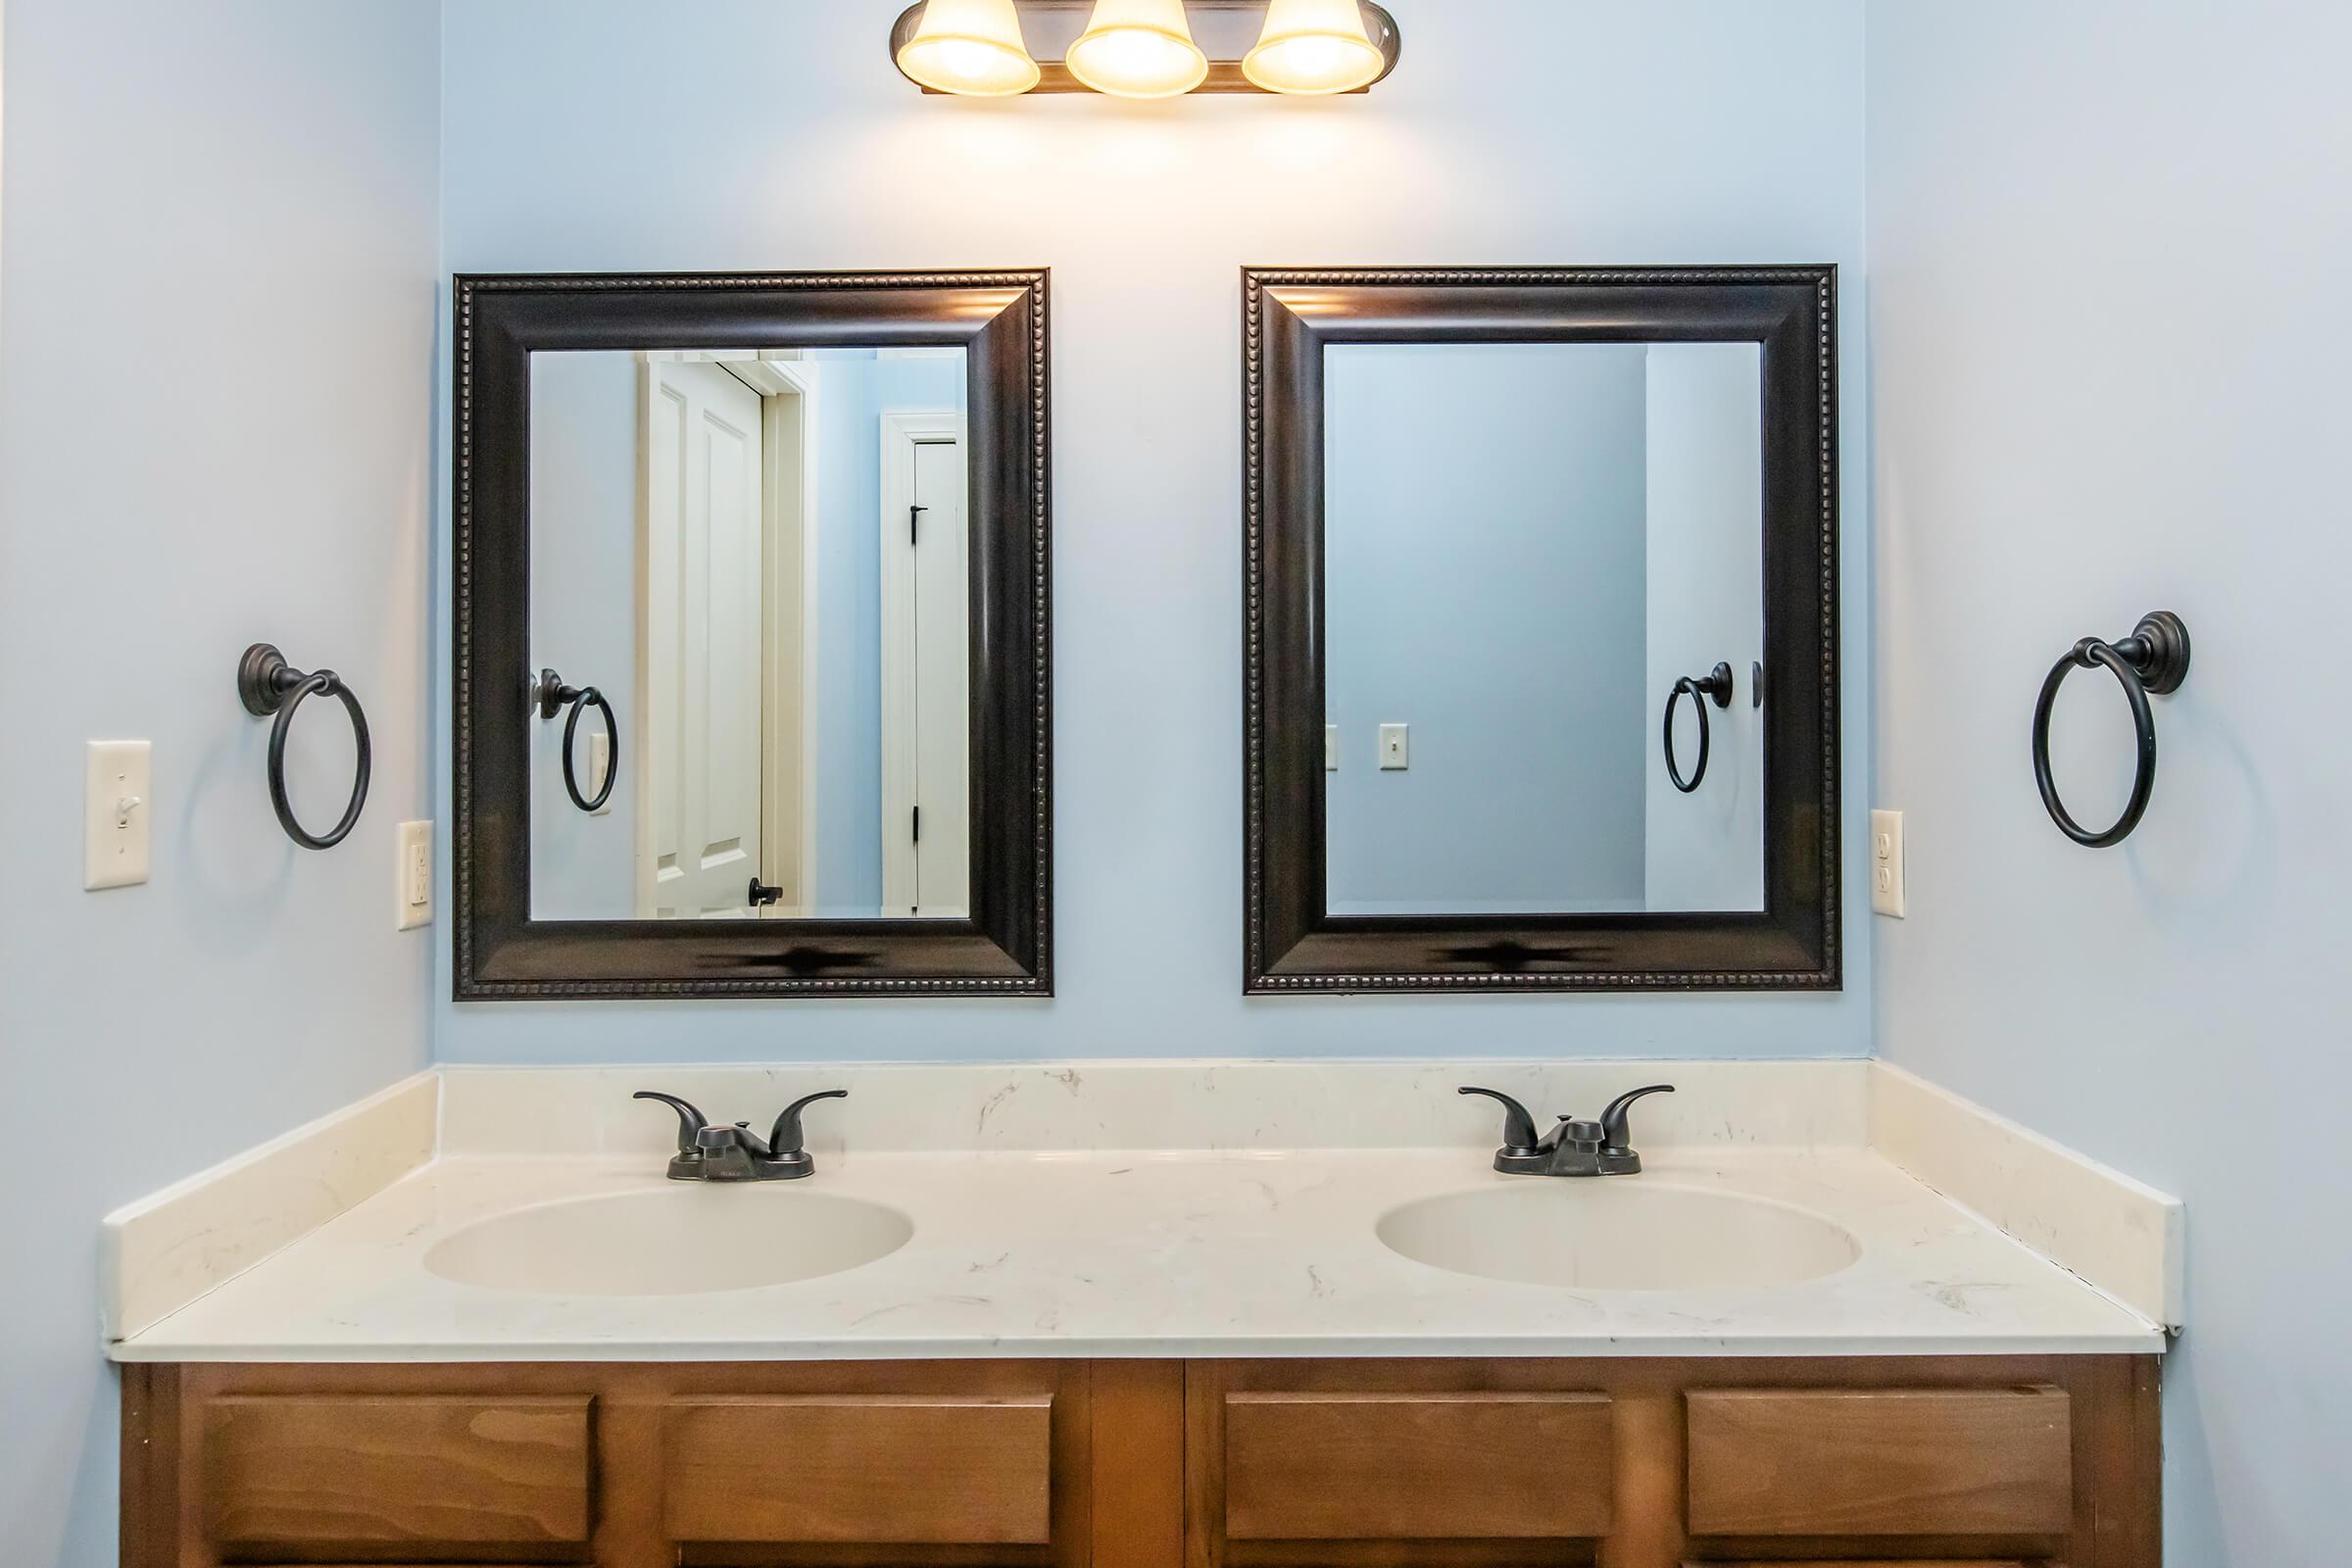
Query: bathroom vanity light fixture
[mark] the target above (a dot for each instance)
(1316, 47)
(1138, 49)
(971, 47)
(1145, 48)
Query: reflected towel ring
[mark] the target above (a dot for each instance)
(1714, 686)
(2154, 659)
(267, 684)
(554, 697)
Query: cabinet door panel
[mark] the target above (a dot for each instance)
(1881, 1462)
(895, 1469)
(1417, 1466)
(306, 1477)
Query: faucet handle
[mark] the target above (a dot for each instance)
(1518, 1127)
(786, 1140)
(711, 1139)
(1583, 1136)
(691, 1121)
(1614, 1132)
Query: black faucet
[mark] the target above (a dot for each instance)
(707, 1153)
(1574, 1148)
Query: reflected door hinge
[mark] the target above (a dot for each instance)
(918, 824)
(915, 523)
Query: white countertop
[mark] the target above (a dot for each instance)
(1149, 1253)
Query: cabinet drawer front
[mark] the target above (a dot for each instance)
(425, 1475)
(1417, 1466)
(894, 1470)
(1881, 1462)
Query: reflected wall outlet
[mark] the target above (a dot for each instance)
(413, 876)
(1394, 752)
(1887, 891)
(600, 768)
(116, 806)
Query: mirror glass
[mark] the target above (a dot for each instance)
(759, 560)
(1527, 546)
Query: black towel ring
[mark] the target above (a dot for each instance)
(1714, 686)
(267, 684)
(554, 698)
(2154, 659)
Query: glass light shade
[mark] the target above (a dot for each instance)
(1314, 46)
(972, 47)
(1138, 49)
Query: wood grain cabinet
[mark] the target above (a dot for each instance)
(1972, 1462)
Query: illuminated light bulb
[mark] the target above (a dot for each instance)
(971, 47)
(1314, 46)
(1138, 49)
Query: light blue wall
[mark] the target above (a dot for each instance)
(1484, 571)
(217, 325)
(1559, 149)
(2108, 245)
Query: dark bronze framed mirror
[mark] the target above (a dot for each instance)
(752, 653)
(1542, 678)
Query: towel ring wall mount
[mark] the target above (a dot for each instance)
(1715, 686)
(2152, 661)
(268, 685)
(552, 697)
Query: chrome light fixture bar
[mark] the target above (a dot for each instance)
(1298, 48)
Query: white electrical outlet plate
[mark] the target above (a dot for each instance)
(118, 804)
(1886, 890)
(600, 768)
(1394, 752)
(1330, 748)
(412, 877)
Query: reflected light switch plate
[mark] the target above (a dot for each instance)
(1330, 748)
(1393, 757)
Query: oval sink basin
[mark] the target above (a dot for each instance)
(1616, 1234)
(685, 1240)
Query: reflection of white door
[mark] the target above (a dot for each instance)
(926, 705)
(700, 637)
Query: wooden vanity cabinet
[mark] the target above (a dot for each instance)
(1961, 1462)
(957, 1464)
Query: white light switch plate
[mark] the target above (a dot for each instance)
(1330, 748)
(117, 803)
(1394, 754)
(412, 877)
(1886, 890)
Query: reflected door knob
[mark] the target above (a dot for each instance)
(762, 894)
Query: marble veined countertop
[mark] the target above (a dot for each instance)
(1146, 1254)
